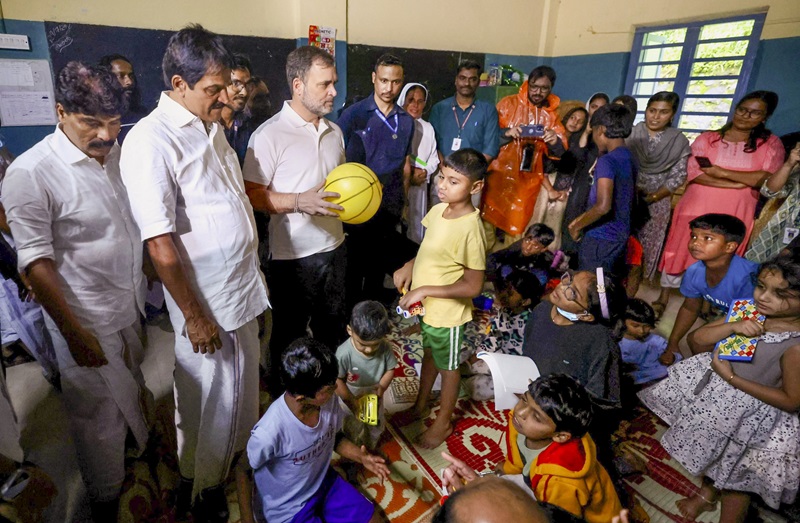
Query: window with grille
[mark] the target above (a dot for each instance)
(707, 63)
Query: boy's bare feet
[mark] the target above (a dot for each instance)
(434, 435)
(692, 507)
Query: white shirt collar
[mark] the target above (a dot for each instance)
(297, 121)
(65, 149)
(178, 114)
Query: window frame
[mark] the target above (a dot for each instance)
(690, 44)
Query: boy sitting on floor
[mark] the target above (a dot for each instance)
(291, 446)
(366, 366)
(719, 276)
(548, 444)
(529, 254)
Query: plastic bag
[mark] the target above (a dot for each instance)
(510, 194)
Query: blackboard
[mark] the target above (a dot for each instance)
(145, 48)
(435, 69)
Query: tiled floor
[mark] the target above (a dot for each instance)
(44, 426)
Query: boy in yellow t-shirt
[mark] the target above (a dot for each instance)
(446, 274)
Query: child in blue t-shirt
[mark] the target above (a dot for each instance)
(291, 446)
(718, 277)
(603, 230)
(641, 349)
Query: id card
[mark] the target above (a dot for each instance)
(789, 234)
(456, 144)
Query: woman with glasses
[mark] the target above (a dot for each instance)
(725, 171)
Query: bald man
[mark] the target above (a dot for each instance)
(490, 499)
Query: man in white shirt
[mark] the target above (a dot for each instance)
(80, 249)
(187, 196)
(287, 161)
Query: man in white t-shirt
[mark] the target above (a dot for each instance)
(187, 196)
(285, 167)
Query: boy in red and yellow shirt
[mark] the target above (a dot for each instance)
(549, 446)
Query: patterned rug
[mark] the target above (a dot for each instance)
(412, 493)
(479, 440)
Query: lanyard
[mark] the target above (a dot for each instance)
(459, 124)
(396, 125)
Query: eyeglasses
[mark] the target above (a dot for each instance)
(569, 292)
(538, 89)
(237, 86)
(750, 113)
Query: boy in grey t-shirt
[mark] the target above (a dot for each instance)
(291, 446)
(366, 366)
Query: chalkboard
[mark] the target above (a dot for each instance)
(435, 69)
(145, 49)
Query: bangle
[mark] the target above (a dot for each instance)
(731, 378)
(297, 202)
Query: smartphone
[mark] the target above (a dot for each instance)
(703, 162)
(532, 131)
(528, 152)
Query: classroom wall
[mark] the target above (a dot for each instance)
(591, 27)
(591, 46)
(587, 41)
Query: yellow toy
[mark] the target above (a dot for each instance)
(368, 409)
(360, 192)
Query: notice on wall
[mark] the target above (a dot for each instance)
(26, 93)
(323, 37)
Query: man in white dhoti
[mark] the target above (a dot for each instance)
(187, 196)
(80, 249)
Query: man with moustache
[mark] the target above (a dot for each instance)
(234, 119)
(80, 249)
(122, 68)
(187, 196)
(378, 134)
(462, 120)
(290, 156)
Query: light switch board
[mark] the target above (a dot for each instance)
(19, 42)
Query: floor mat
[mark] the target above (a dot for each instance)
(412, 493)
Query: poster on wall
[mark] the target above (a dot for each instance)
(323, 37)
(26, 93)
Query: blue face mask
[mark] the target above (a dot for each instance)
(571, 316)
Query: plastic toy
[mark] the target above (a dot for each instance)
(483, 302)
(368, 409)
(416, 309)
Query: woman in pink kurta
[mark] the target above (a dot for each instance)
(743, 154)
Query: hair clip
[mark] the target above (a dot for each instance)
(601, 290)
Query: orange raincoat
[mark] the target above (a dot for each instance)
(510, 195)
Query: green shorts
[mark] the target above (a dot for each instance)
(445, 344)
